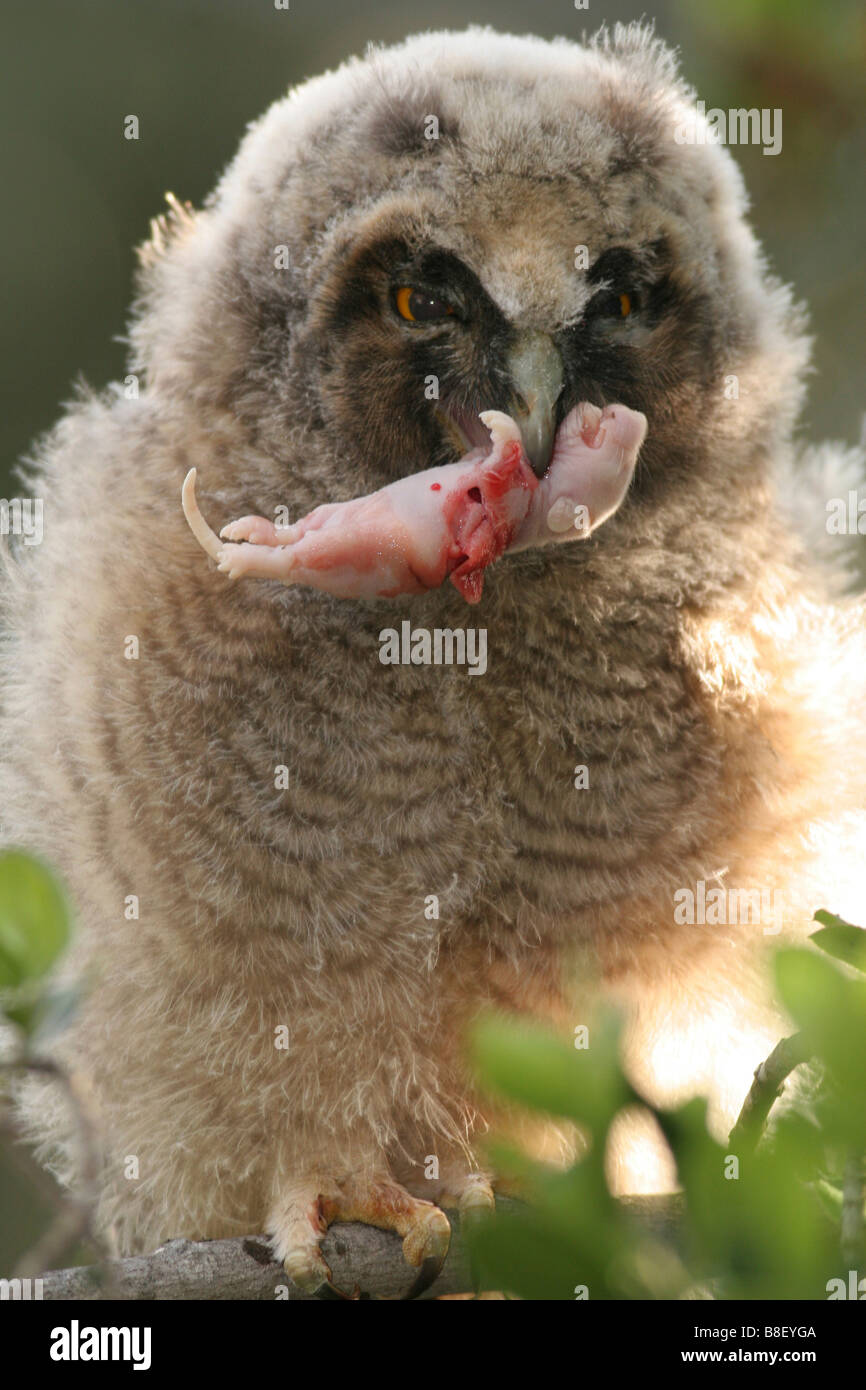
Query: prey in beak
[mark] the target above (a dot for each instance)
(535, 375)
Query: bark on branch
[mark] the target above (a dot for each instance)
(242, 1268)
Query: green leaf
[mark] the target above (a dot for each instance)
(523, 1254)
(750, 1225)
(34, 918)
(529, 1064)
(21, 1012)
(830, 1008)
(841, 939)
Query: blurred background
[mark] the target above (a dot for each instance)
(79, 196)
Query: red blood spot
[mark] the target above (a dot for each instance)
(435, 487)
(478, 542)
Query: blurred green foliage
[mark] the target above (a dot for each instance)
(34, 919)
(755, 1222)
(35, 929)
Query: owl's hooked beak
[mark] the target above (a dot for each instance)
(536, 372)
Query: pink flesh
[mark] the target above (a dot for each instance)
(448, 522)
(593, 463)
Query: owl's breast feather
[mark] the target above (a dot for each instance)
(449, 522)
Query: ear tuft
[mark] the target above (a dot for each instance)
(166, 229)
(638, 47)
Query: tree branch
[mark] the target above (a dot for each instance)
(242, 1268)
(766, 1088)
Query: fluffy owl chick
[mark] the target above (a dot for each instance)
(300, 873)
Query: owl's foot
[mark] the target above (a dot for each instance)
(302, 1219)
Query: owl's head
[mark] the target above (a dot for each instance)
(473, 221)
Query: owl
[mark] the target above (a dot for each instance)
(301, 873)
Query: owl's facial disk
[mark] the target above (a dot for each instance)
(420, 347)
(533, 362)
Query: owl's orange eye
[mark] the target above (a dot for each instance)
(417, 306)
(614, 304)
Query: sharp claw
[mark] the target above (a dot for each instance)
(329, 1292)
(428, 1238)
(309, 1271)
(431, 1268)
(313, 1276)
(426, 1246)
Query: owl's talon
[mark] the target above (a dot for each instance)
(431, 1268)
(310, 1272)
(428, 1239)
(301, 1220)
(425, 1245)
(329, 1292)
(308, 1269)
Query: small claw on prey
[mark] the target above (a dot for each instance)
(589, 424)
(502, 428)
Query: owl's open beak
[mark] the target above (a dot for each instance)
(535, 368)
